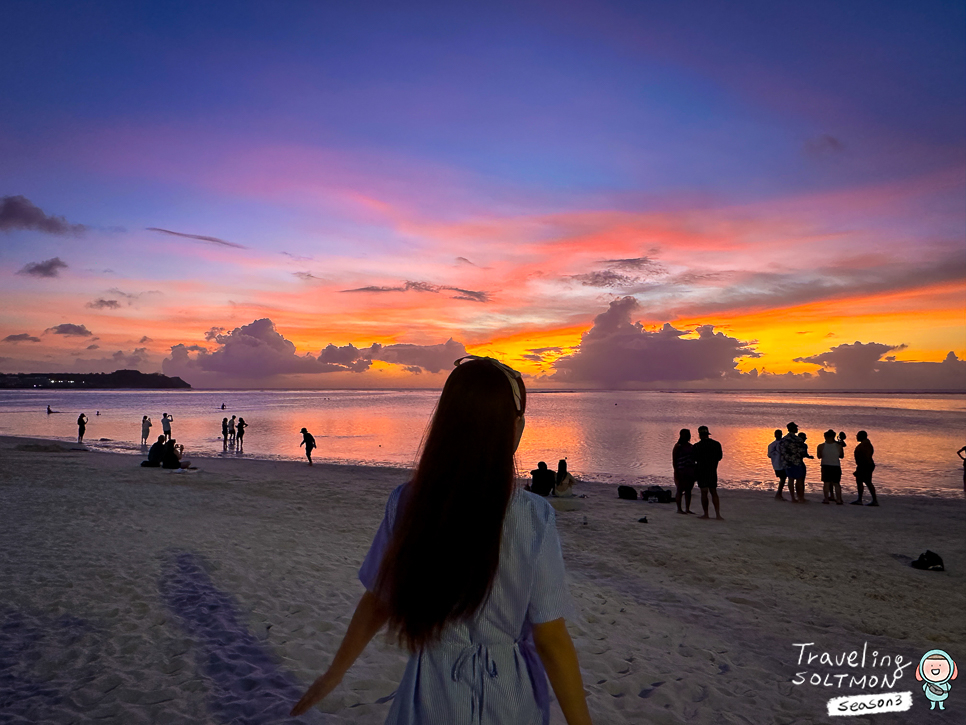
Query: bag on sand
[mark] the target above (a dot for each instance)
(626, 492)
(661, 495)
(930, 561)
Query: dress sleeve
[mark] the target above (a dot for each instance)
(550, 597)
(370, 567)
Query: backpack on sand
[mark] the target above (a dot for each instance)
(930, 561)
(626, 492)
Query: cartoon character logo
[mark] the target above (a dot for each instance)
(936, 669)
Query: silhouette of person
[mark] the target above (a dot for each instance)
(81, 427)
(166, 425)
(565, 482)
(49, 411)
(707, 453)
(960, 454)
(173, 455)
(829, 454)
(224, 432)
(222, 406)
(145, 430)
(155, 454)
(542, 480)
(793, 450)
(231, 430)
(775, 455)
(240, 434)
(864, 466)
(309, 442)
(685, 473)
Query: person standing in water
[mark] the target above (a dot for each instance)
(960, 454)
(469, 575)
(224, 432)
(240, 433)
(166, 425)
(309, 442)
(231, 431)
(81, 427)
(145, 430)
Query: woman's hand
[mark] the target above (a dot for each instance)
(316, 692)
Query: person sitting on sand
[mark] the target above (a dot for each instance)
(240, 432)
(81, 427)
(829, 454)
(792, 450)
(775, 455)
(468, 574)
(707, 453)
(685, 474)
(166, 425)
(155, 454)
(542, 480)
(309, 442)
(864, 466)
(145, 430)
(173, 455)
(564, 484)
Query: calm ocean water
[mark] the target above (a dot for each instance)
(607, 436)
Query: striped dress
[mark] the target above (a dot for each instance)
(486, 670)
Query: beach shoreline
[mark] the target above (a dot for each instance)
(110, 573)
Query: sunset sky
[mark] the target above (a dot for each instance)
(641, 194)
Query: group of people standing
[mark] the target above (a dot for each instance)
(233, 433)
(696, 463)
(788, 453)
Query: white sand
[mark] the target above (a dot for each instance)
(109, 572)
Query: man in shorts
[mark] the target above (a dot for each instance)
(829, 454)
(793, 451)
(775, 455)
(682, 461)
(707, 453)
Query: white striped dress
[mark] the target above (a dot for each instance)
(487, 670)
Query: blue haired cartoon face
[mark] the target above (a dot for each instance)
(936, 669)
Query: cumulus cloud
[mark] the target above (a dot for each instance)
(47, 268)
(432, 358)
(70, 330)
(616, 352)
(102, 304)
(18, 212)
(462, 294)
(198, 237)
(213, 333)
(867, 366)
(258, 351)
(22, 337)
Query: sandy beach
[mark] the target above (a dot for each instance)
(132, 595)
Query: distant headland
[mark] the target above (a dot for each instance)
(117, 379)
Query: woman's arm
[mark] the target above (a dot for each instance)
(559, 658)
(367, 620)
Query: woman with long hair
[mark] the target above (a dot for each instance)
(467, 571)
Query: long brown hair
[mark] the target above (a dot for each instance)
(441, 561)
